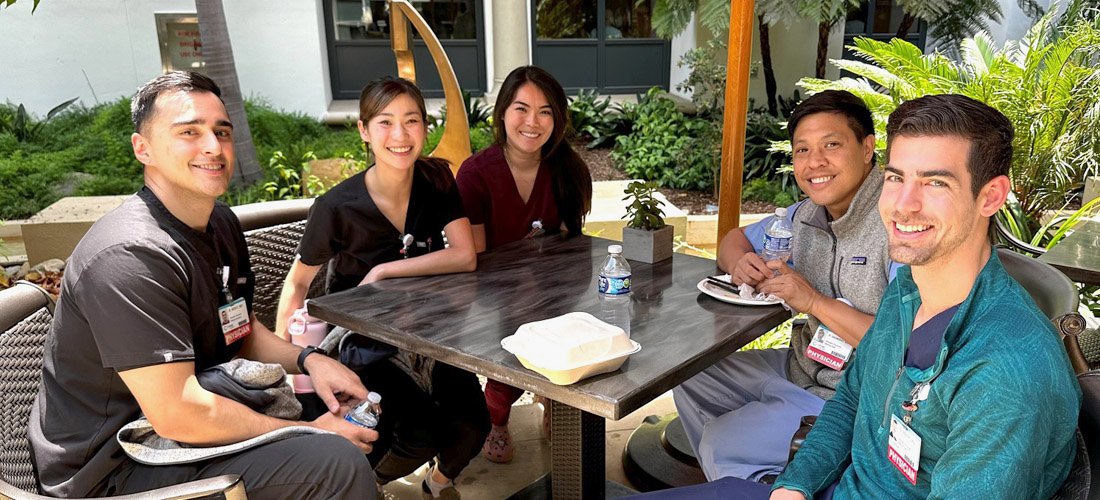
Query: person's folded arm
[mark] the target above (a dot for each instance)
(335, 383)
(459, 257)
(842, 319)
(179, 408)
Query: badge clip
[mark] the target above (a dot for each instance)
(406, 242)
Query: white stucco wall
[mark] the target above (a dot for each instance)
(279, 49)
(1015, 23)
(794, 55)
(680, 45)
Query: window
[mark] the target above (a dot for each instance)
(369, 19)
(359, 50)
(879, 20)
(608, 45)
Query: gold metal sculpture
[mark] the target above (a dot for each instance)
(454, 146)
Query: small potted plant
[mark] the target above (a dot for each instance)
(646, 237)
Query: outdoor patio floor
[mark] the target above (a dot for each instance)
(486, 480)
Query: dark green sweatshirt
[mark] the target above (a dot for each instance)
(1000, 415)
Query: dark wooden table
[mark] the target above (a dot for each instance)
(460, 319)
(1078, 255)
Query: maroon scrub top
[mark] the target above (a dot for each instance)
(490, 197)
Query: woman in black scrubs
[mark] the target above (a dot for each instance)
(401, 217)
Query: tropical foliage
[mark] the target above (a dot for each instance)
(952, 21)
(1046, 84)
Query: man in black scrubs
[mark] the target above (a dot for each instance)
(158, 290)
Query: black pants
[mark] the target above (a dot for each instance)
(451, 423)
(301, 467)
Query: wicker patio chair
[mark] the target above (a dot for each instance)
(26, 312)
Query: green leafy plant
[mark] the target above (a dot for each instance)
(1046, 84)
(23, 126)
(706, 79)
(481, 137)
(644, 210)
(287, 184)
(666, 146)
(768, 191)
(598, 120)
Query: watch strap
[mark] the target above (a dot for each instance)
(302, 357)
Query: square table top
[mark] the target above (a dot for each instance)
(460, 319)
(1078, 255)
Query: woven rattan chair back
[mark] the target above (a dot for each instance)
(24, 325)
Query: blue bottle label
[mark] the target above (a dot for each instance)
(614, 285)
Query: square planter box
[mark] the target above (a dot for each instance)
(647, 246)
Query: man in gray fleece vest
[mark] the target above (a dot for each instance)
(741, 412)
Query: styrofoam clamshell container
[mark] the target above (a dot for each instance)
(570, 347)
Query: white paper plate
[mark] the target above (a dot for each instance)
(730, 297)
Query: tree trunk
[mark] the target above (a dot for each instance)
(906, 24)
(218, 54)
(766, 58)
(823, 30)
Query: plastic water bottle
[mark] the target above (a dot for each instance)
(305, 330)
(777, 237)
(366, 413)
(614, 289)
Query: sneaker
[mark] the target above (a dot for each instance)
(448, 493)
(498, 445)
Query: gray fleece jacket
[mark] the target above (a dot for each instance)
(843, 258)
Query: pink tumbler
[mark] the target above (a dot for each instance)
(305, 330)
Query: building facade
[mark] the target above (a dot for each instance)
(307, 56)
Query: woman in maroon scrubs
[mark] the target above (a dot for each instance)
(530, 181)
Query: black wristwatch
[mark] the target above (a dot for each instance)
(302, 357)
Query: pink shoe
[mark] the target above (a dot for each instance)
(498, 445)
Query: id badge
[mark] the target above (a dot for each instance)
(235, 321)
(904, 449)
(828, 349)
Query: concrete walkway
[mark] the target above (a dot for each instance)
(487, 480)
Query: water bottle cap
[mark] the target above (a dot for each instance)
(614, 249)
(374, 397)
(781, 212)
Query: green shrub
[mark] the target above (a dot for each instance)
(598, 121)
(767, 191)
(664, 145)
(1046, 84)
(481, 137)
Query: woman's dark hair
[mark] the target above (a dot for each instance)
(569, 174)
(379, 94)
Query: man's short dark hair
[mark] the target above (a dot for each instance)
(143, 105)
(988, 130)
(840, 102)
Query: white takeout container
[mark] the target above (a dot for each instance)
(570, 347)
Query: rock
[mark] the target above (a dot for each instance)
(13, 272)
(68, 185)
(50, 266)
(683, 105)
(22, 272)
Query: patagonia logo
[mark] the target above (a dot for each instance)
(858, 261)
